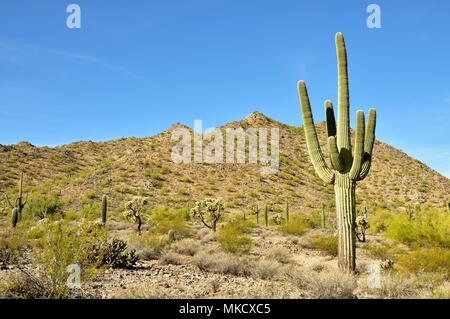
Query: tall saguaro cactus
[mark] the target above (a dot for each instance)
(346, 168)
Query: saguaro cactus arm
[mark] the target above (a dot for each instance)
(369, 140)
(312, 143)
(343, 126)
(359, 145)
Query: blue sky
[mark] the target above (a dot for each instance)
(134, 68)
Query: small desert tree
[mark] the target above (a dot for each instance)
(134, 210)
(209, 211)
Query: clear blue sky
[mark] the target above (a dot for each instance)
(136, 67)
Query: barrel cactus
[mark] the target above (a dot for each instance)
(346, 167)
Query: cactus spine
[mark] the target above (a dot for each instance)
(346, 168)
(104, 208)
(15, 217)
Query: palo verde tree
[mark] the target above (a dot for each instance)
(209, 211)
(346, 168)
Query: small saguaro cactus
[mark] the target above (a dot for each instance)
(346, 168)
(266, 215)
(20, 201)
(287, 212)
(256, 212)
(14, 217)
(104, 208)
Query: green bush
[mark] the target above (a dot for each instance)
(62, 245)
(232, 237)
(431, 260)
(326, 243)
(297, 225)
(380, 220)
(428, 228)
(43, 206)
(164, 219)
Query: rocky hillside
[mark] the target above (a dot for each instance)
(85, 171)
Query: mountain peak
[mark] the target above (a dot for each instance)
(257, 118)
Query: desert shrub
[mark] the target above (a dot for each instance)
(326, 243)
(232, 238)
(334, 285)
(171, 258)
(265, 268)
(150, 246)
(379, 251)
(427, 228)
(397, 287)
(62, 246)
(188, 247)
(380, 220)
(90, 210)
(430, 260)
(164, 219)
(297, 226)
(221, 263)
(12, 247)
(280, 254)
(42, 206)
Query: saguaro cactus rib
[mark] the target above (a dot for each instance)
(312, 143)
(348, 167)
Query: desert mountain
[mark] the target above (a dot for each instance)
(84, 171)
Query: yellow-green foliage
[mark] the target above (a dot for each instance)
(163, 219)
(381, 251)
(326, 243)
(61, 245)
(428, 228)
(232, 237)
(297, 225)
(42, 205)
(431, 260)
(380, 220)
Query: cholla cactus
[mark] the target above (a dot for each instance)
(209, 211)
(386, 264)
(276, 219)
(346, 167)
(362, 224)
(134, 210)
